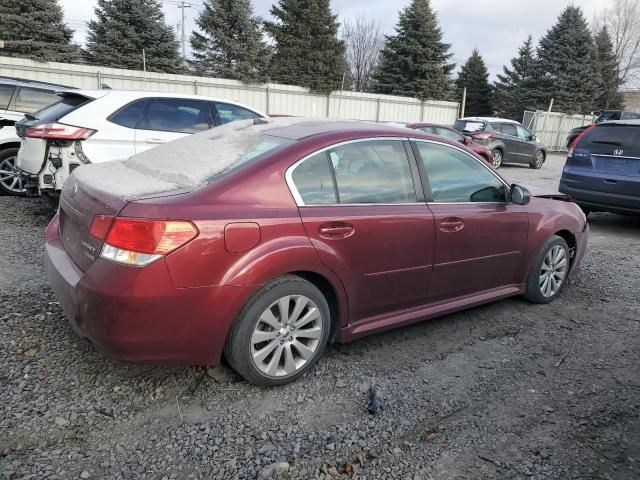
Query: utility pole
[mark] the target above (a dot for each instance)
(183, 5)
(464, 101)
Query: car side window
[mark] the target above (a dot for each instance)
(176, 115)
(31, 100)
(129, 115)
(427, 130)
(231, 113)
(456, 177)
(509, 129)
(451, 135)
(6, 92)
(375, 171)
(523, 132)
(497, 127)
(629, 116)
(314, 181)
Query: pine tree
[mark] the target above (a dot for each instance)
(567, 65)
(230, 45)
(123, 28)
(307, 49)
(610, 96)
(474, 76)
(513, 90)
(414, 61)
(35, 29)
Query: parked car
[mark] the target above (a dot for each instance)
(508, 140)
(265, 241)
(453, 134)
(602, 172)
(604, 116)
(95, 126)
(17, 97)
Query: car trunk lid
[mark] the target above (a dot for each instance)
(606, 159)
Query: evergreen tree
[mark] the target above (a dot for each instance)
(610, 96)
(230, 45)
(474, 76)
(123, 28)
(567, 65)
(414, 61)
(35, 29)
(307, 49)
(513, 90)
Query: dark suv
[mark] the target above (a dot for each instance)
(17, 98)
(508, 140)
(602, 172)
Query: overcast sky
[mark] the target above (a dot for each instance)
(496, 27)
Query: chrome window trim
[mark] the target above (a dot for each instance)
(298, 198)
(482, 164)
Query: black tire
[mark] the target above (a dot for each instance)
(238, 346)
(538, 160)
(7, 163)
(52, 199)
(533, 291)
(497, 159)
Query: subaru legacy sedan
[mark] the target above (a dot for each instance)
(265, 241)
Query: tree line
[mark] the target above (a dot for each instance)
(581, 68)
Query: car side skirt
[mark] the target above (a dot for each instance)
(426, 312)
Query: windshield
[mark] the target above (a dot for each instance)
(469, 126)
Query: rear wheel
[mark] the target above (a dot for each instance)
(497, 158)
(281, 333)
(550, 271)
(10, 180)
(538, 160)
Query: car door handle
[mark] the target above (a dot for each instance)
(154, 141)
(336, 230)
(451, 225)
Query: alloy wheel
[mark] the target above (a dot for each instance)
(286, 336)
(539, 159)
(553, 270)
(497, 159)
(9, 176)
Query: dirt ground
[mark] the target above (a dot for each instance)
(507, 390)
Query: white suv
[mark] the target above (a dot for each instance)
(18, 97)
(93, 126)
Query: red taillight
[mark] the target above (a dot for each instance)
(483, 136)
(58, 131)
(578, 138)
(153, 237)
(100, 226)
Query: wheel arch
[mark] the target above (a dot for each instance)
(570, 238)
(8, 145)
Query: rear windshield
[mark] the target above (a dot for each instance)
(613, 140)
(66, 105)
(470, 126)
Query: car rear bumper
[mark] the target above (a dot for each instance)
(136, 314)
(605, 201)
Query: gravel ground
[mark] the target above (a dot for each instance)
(507, 390)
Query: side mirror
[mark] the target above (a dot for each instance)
(520, 195)
(532, 137)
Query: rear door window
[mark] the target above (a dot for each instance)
(176, 115)
(509, 129)
(31, 100)
(373, 172)
(6, 92)
(230, 113)
(314, 181)
(612, 140)
(629, 116)
(129, 115)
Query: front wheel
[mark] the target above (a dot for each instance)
(550, 271)
(497, 158)
(281, 333)
(538, 161)
(10, 180)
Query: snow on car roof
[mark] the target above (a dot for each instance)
(488, 119)
(183, 164)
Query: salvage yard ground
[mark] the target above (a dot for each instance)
(507, 390)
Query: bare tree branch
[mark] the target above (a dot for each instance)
(364, 40)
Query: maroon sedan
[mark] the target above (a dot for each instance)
(454, 135)
(263, 242)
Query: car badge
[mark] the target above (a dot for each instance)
(618, 152)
